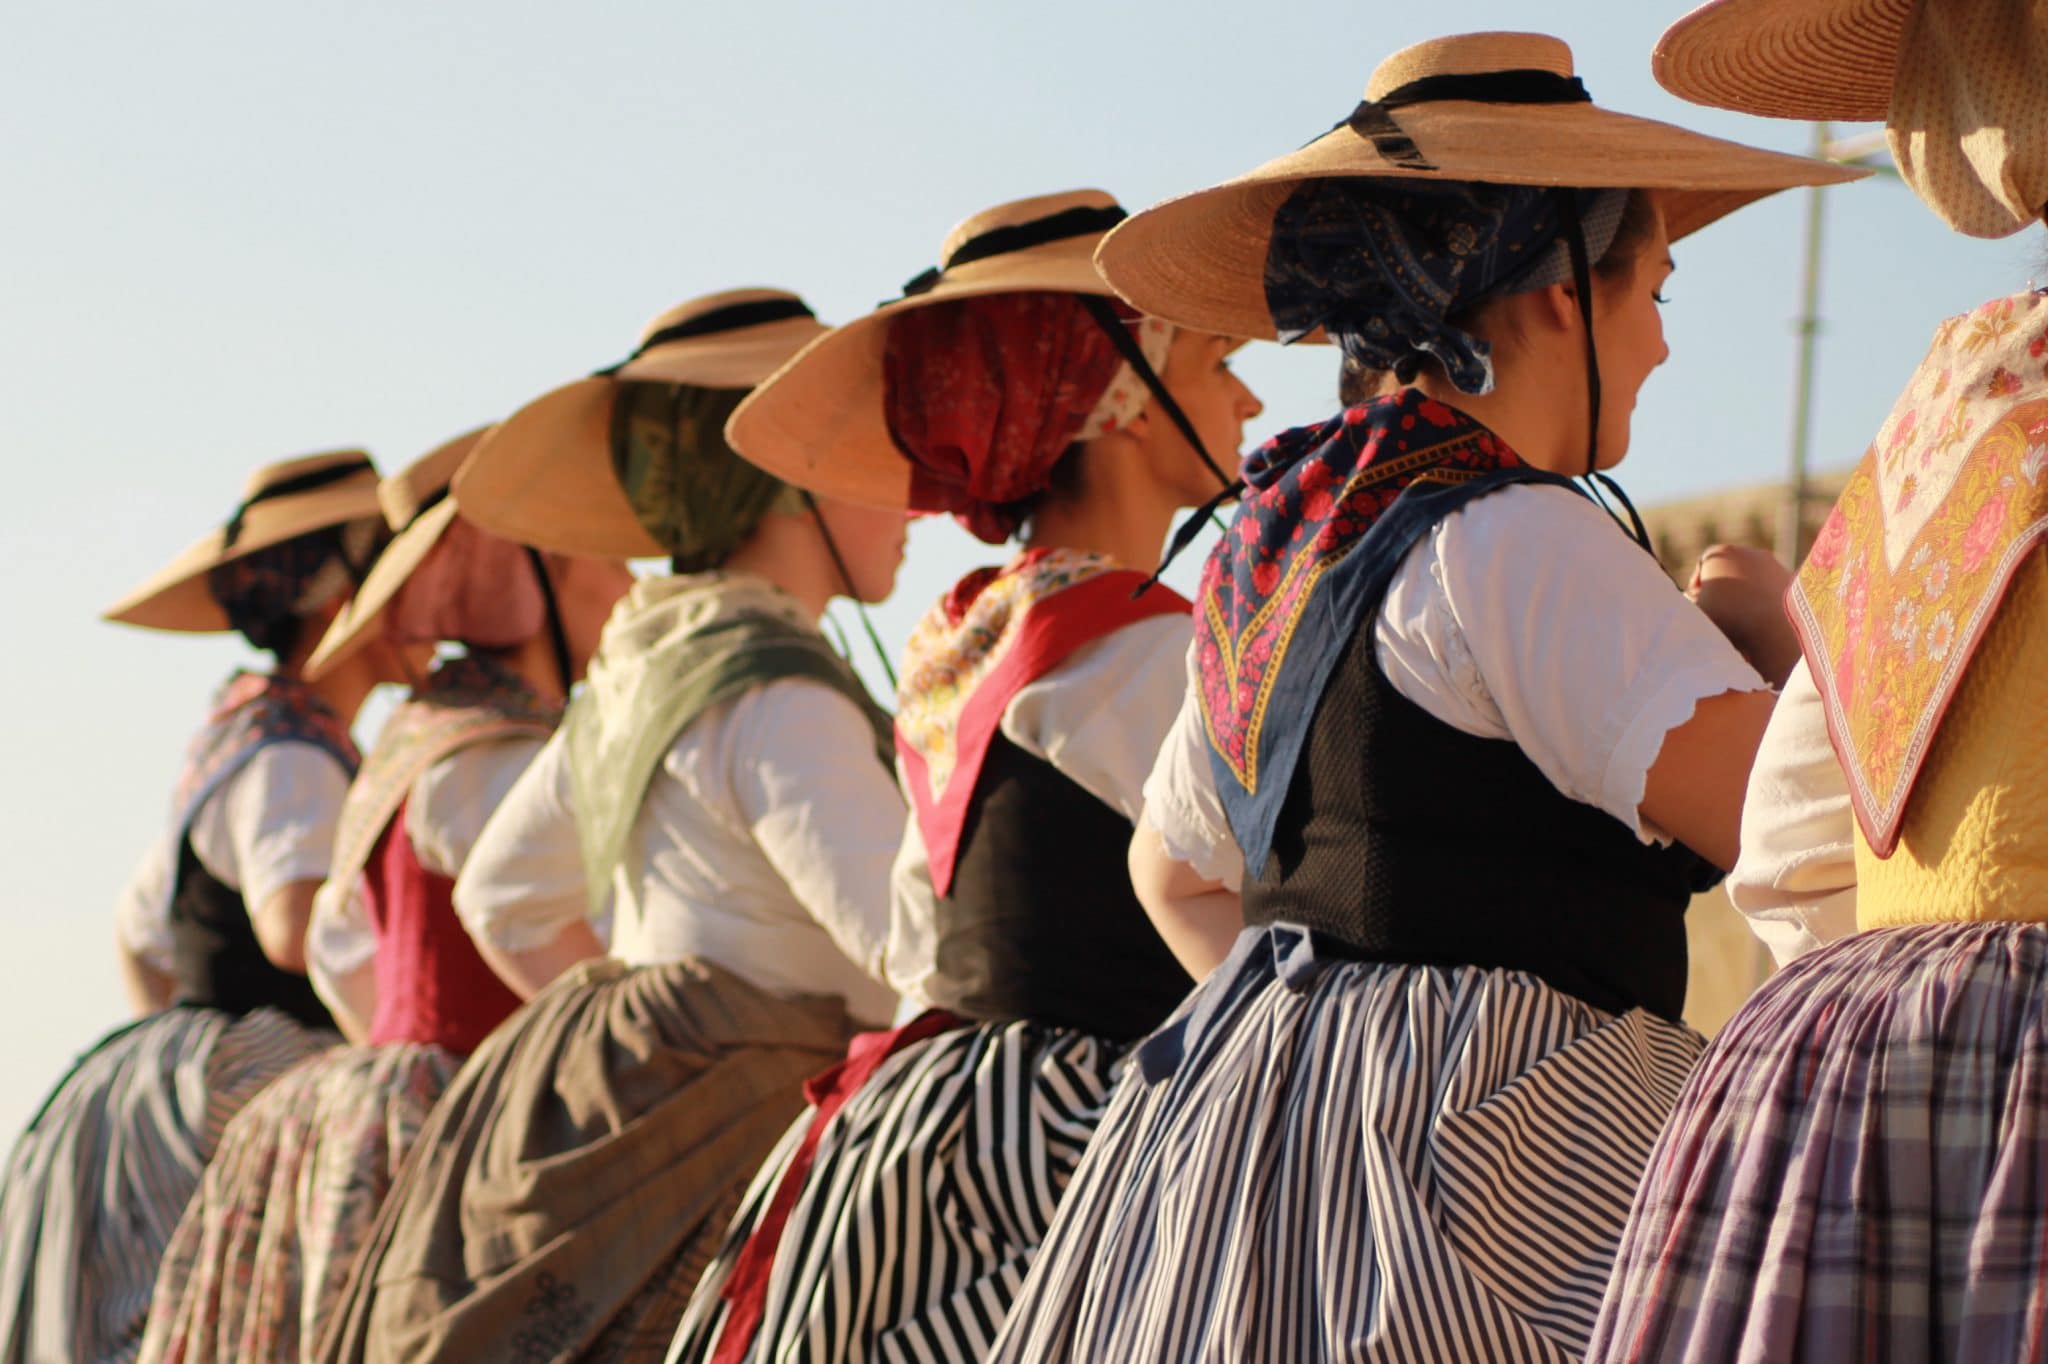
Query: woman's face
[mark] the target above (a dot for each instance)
(1628, 332)
(1217, 403)
(870, 540)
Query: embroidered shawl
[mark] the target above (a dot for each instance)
(464, 701)
(1912, 564)
(250, 713)
(996, 632)
(674, 648)
(1283, 592)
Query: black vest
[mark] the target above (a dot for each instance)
(216, 960)
(1041, 923)
(1404, 839)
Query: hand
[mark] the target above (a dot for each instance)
(1742, 590)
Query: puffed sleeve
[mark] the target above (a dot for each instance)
(523, 880)
(822, 808)
(273, 822)
(1181, 804)
(1796, 878)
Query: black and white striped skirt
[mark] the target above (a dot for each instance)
(928, 1197)
(1323, 1159)
(97, 1183)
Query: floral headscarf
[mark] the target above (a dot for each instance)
(266, 592)
(472, 588)
(984, 396)
(1382, 264)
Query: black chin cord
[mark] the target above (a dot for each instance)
(846, 580)
(1133, 355)
(1597, 483)
(558, 635)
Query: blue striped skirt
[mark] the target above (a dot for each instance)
(99, 1180)
(927, 1199)
(1324, 1159)
(1859, 1170)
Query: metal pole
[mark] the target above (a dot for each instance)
(1792, 514)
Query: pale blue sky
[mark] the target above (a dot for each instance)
(239, 231)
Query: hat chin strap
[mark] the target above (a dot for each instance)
(846, 581)
(1582, 280)
(1133, 355)
(558, 634)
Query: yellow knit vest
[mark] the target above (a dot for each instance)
(1974, 841)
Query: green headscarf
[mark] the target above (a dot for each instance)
(696, 497)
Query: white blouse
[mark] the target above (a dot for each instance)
(1098, 718)
(1796, 878)
(763, 845)
(444, 814)
(1526, 615)
(268, 825)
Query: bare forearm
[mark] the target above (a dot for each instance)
(351, 998)
(528, 973)
(1197, 918)
(148, 989)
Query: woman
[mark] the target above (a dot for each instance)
(1855, 1170)
(719, 790)
(265, 1247)
(1009, 392)
(1453, 719)
(212, 926)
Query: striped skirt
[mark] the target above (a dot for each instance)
(1356, 1161)
(97, 1183)
(1859, 1170)
(928, 1196)
(264, 1248)
(574, 1179)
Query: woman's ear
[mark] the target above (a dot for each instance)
(1557, 306)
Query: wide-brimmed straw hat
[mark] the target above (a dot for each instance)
(1497, 108)
(279, 502)
(1806, 59)
(544, 476)
(819, 423)
(419, 511)
(1957, 82)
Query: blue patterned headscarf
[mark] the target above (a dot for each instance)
(1381, 264)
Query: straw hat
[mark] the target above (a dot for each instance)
(419, 511)
(819, 422)
(1957, 82)
(543, 476)
(1808, 59)
(1500, 108)
(279, 502)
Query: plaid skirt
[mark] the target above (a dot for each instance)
(1322, 1159)
(99, 1180)
(575, 1178)
(1859, 1170)
(928, 1196)
(265, 1246)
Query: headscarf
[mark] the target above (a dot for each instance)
(690, 492)
(1383, 264)
(985, 395)
(1967, 123)
(267, 591)
(472, 588)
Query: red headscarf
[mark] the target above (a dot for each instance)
(984, 395)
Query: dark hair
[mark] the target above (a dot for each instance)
(1357, 384)
(1063, 481)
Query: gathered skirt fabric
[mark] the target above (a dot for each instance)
(1859, 1170)
(930, 1193)
(97, 1183)
(1320, 1159)
(264, 1247)
(576, 1176)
